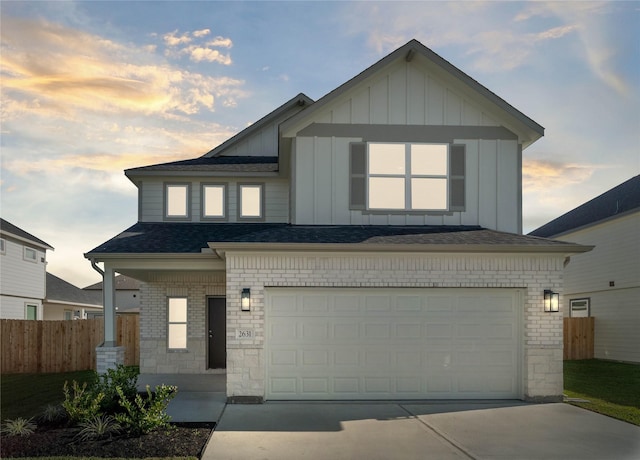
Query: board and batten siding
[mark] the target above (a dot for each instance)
(412, 94)
(615, 258)
(491, 187)
(276, 198)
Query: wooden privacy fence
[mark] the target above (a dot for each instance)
(578, 338)
(62, 346)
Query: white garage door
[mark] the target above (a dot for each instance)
(384, 343)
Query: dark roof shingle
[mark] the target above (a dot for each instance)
(222, 164)
(8, 227)
(621, 199)
(169, 237)
(63, 291)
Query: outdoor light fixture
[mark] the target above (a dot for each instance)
(245, 302)
(551, 301)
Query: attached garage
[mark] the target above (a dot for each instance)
(393, 343)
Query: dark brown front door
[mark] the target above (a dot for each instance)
(217, 329)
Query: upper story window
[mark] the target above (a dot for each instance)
(401, 177)
(214, 201)
(30, 254)
(251, 201)
(176, 201)
(3, 246)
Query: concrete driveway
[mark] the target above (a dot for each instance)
(476, 430)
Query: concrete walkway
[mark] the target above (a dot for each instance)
(200, 397)
(470, 430)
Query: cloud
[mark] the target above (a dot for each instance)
(48, 67)
(171, 39)
(201, 33)
(546, 175)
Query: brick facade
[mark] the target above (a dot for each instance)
(542, 332)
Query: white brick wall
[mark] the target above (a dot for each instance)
(154, 356)
(542, 367)
(542, 341)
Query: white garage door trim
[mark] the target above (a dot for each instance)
(393, 343)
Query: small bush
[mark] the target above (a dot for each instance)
(81, 402)
(98, 427)
(124, 377)
(18, 427)
(142, 416)
(53, 414)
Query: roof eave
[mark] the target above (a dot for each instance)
(534, 129)
(132, 175)
(27, 240)
(567, 249)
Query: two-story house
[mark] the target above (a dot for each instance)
(23, 266)
(363, 246)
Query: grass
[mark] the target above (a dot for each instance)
(610, 387)
(25, 395)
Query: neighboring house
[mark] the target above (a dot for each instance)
(127, 299)
(364, 246)
(66, 301)
(605, 283)
(23, 264)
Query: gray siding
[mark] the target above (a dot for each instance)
(322, 187)
(616, 257)
(276, 194)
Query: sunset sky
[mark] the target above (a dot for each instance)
(89, 89)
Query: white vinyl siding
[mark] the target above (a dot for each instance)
(276, 206)
(20, 277)
(615, 258)
(393, 343)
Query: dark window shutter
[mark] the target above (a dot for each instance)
(357, 176)
(456, 177)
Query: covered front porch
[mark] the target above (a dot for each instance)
(170, 345)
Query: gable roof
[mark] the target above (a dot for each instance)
(61, 291)
(7, 228)
(613, 203)
(301, 100)
(182, 237)
(407, 52)
(235, 164)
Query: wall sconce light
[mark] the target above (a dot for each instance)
(551, 301)
(245, 300)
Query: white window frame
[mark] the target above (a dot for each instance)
(407, 176)
(27, 306)
(27, 258)
(187, 202)
(241, 188)
(203, 201)
(177, 322)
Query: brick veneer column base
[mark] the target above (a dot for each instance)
(108, 358)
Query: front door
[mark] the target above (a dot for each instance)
(217, 328)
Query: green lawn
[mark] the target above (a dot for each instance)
(611, 388)
(24, 395)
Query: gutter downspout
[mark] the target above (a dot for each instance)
(108, 304)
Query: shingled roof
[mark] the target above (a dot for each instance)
(181, 237)
(222, 164)
(59, 290)
(617, 201)
(8, 228)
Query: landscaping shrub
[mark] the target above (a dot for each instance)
(18, 427)
(81, 402)
(142, 416)
(123, 377)
(98, 427)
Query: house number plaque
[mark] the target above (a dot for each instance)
(244, 333)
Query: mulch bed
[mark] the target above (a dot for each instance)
(181, 440)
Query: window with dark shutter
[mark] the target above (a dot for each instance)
(456, 177)
(357, 175)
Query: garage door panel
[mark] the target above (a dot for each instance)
(397, 344)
